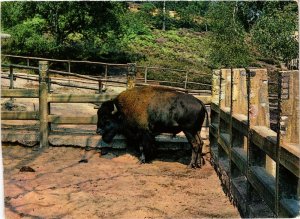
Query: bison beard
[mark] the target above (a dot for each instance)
(142, 113)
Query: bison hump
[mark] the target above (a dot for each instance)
(134, 104)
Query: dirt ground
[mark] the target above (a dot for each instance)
(74, 183)
(68, 182)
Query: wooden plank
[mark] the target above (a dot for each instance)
(214, 107)
(239, 92)
(19, 115)
(223, 140)
(264, 184)
(239, 191)
(22, 93)
(55, 119)
(289, 208)
(80, 98)
(290, 158)
(25, 137)
(214, 129)
(290, 108)
(259, 112)
(240, 123)
(225, 114)
(265, 139)
(225, 88)
(214, 153)
(259, 102)
(215, 90)
(239, 157)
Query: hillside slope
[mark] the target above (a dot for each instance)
(177, 49)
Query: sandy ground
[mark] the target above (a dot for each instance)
(109, 186)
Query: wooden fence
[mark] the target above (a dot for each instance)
(46, 118)
(258, 166)
(185, 84)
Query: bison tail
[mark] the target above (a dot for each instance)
(207, 119)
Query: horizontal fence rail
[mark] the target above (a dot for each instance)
(45, 119)
(259, 166)
(145, 70)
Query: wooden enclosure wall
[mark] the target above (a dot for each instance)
(46, 118)
(258, 166)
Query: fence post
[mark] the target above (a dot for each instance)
(131, 75)
(288, 182)
(100, 86)
(49, 85)
(146, 73)
(103, 86)
(239, 105)
(69, 66)
(239, 89)
(289, 107)
(224, 132)
(43, 103)
(215, 115)
(186, 80)
(259, 113)
(215, 87)
(11, 77)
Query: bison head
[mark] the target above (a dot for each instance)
(108, 123)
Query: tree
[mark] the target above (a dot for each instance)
(274, 32)
(244, 30)
(63, 29)
(228, 36)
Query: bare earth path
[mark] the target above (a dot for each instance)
(119, 187)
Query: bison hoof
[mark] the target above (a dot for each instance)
(142, 162)
(194, 165)
(142, 159)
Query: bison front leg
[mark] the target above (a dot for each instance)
(147, 147)
(142, 157)
(197, 144)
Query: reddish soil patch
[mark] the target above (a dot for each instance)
(108, 186)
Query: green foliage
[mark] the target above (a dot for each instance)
(274, 32)
(202, 35)
(228, 38)
(84, 30)
(244, 30)
(30, 37)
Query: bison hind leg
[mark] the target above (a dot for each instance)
(142, 158)
(197, 144)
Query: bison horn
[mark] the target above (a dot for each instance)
(115, 110)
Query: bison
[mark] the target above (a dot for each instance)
(141, 113)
